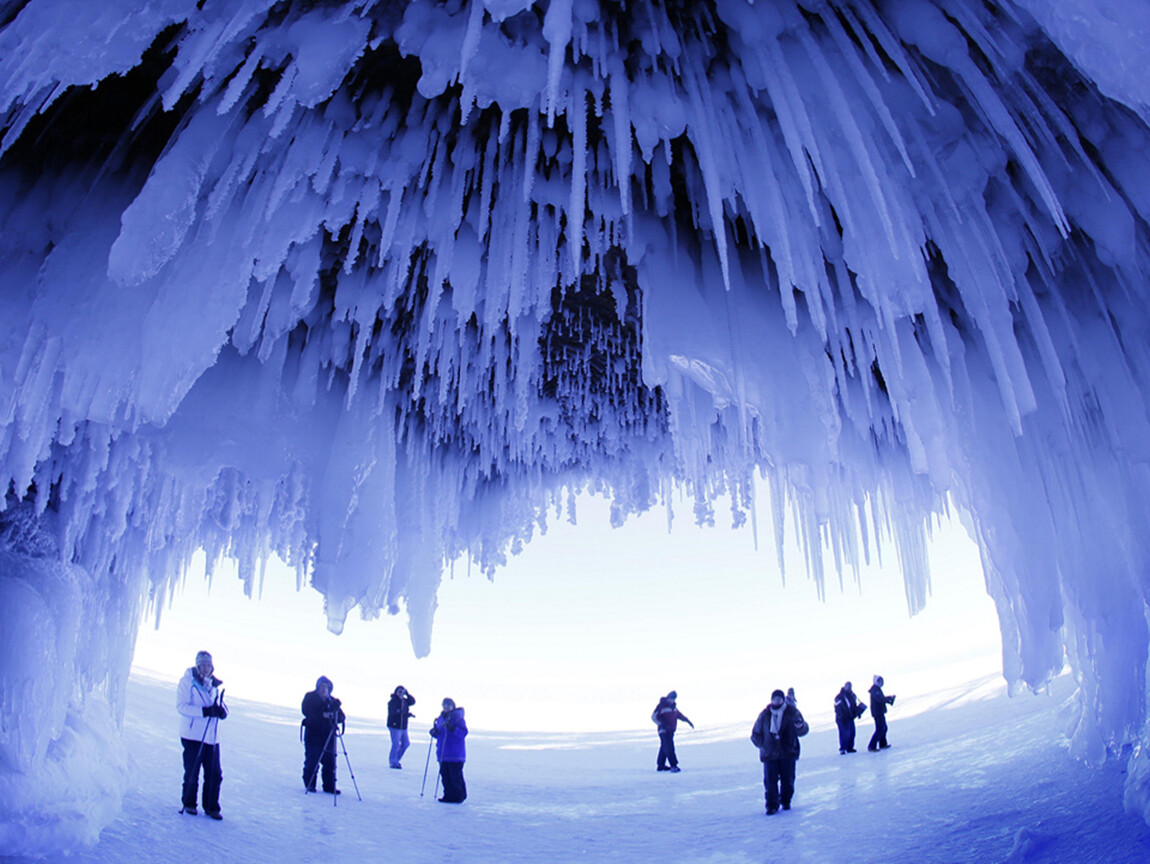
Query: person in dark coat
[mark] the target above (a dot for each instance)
(398, 713)
(449, 731)
(878, 703)
(666, 717)
(323, 719)
(848, 708)
(776, 733)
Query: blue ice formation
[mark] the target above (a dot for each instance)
(372, 285)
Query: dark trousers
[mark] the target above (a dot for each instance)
(779, 782)
(454, 787)
(846, 734)
(207, 756)
(878, 739)
(667, 750)
(317, 755)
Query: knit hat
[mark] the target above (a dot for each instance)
(321, 680)
(778, 693)
(202, 657)
(672, 695)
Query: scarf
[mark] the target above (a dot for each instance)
(777, 718)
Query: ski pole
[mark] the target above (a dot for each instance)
(349, 771)
(427, 764)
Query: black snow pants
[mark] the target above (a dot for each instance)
(319, 753)
(198, 755)
(454, 786)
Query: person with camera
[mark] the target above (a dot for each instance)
(323, 719)
(666, 717)
(848, 708)
(776, 733)
(398, 713)
(449, 731)
(200, 702)
(878, 703)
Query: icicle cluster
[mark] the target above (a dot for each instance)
(372, 285)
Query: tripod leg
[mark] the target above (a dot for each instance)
(351, 773)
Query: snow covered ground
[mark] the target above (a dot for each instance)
(976, 777)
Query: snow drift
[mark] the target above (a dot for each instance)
(374, 285)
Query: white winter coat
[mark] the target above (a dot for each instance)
(191, 699)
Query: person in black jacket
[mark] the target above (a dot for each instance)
(398, 713)
(776, 733)
(323, 719)
(848, 708)
(878, 703)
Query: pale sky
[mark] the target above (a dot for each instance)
(589, 625)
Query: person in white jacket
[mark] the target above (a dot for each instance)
(199, 700)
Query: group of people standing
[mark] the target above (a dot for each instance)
(324, 721)
(776, 734)
(200, 702)
(848, 708)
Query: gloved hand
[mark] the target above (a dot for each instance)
(217, 710)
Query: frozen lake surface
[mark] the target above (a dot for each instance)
(973, 777)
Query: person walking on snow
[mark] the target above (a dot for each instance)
(666, 717)
(449, 731)
(878, 703)
(323, 719)
(776, 733)
(848, 708)
(398, 713)
(200, 702)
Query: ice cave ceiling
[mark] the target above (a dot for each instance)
(373, 285)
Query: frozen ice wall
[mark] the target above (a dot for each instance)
(373, 285)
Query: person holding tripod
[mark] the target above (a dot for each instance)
(200, 702)
(323, 720)
(398, 713)
(449, 730)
